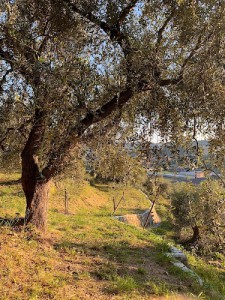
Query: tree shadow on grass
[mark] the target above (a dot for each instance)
(122, 261)
(12, 222)
(102, 187)
(122, 265)
(120, 252)
(11, 182)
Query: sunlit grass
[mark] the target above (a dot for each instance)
(87, 252)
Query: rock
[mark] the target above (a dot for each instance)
(139, 220)
(181, 262)
(178, 254)
(185, 269)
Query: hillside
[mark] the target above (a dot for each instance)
(87, 254)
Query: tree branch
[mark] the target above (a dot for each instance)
(126, 12)
(5, 136)
(192, 52)
(29, 53)
(112, 31)
(9, 55)
(161, 30)
(20, 129)
(36, 134)
(117, 102)
(105, 129)
(89, 16)
(3, 80)
(5, 55)
(55, 163)
(173, 81)
(170, 81)
(45, 35)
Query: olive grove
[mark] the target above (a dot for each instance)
(70, 70)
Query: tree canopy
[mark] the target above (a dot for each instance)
(70, 67)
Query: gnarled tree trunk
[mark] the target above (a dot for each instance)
(37, 195)
(35, 186)
(36, 190)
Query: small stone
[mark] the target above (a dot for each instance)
(166, 273)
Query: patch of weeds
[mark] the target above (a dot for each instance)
(212, 287)
(67, 246)
(81, 275)
(165, 229)
(41, 293)
(213, 280)
(123, 284)
(106, 272)
(163, 259)
(220, 257)
(187, 277)
(62, 229)
(161, 256)
(142, 271)
(159, 289)
(162, 247)
(84, 275)
(31, 233)
(174, 270)
(76, 227)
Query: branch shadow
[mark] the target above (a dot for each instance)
(122, 260)
(11, 182)
(12, 222)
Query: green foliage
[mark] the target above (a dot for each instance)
(90, 64)
(185, 205)
(114, 163)
(123, 284)
(72, 70)
(74, 168)
(106, 272)
(202, 206)
(158, 186)
(158, 288)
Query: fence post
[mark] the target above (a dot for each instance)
(66, 202)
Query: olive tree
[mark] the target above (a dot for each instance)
(114, 163)
(69, 67)
(202, 208)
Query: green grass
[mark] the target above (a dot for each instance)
(122, 285)
(88, 253)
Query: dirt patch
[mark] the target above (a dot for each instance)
(141, 220)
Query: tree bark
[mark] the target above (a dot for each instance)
(36, 190)
(195, 237)
(35, 186)
(196, 234)
(37, 204)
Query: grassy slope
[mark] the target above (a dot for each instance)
(89, 255)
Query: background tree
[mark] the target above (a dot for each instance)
(68, 67)
(201, 208)
(113, 162)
